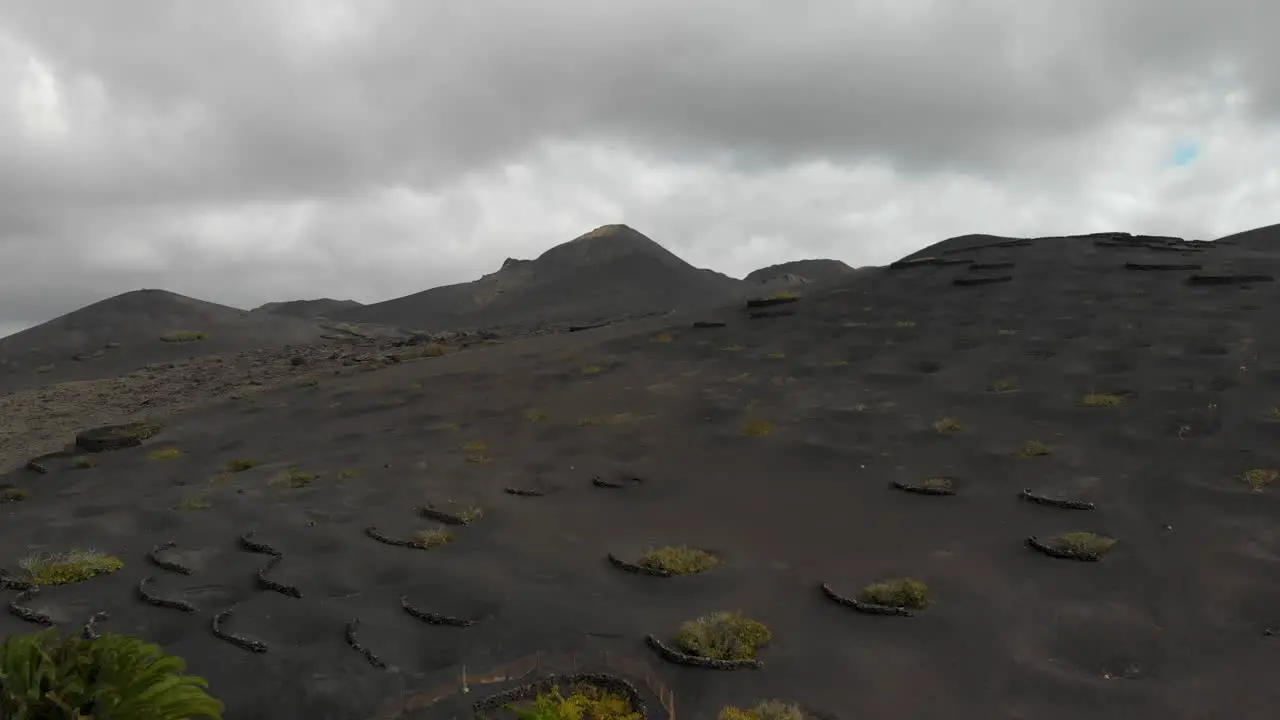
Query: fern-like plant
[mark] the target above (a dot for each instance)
(112, 677)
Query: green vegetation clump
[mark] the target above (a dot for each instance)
(591, 369)
(198, 501)
(293, 477)
(164, 454)
(347, 473)
(12, 495)
(767, 710)
(776, 355)
(679, 560)
(84, 462)
(69, 567)
(475, 446)
(597, 420)
(112, 677)
(420, 352)
(183, 336)
(938, 483)
(948, 426)
(1259, 478)
(722, 636)
(663, 337)
(1085, 543)
(428, 539)
(586, 702)
(733, 348)
(1034, 448)
(1004, 385)
(756, 428)
(534, 415)
(901, 592)
(241, 465)
(1101, 400)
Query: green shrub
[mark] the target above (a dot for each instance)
(766, 710)
(12, 495)
(1259, 478)
(292, 477)
(84, 462)
(241, 465)
(722, 636)
(1101, 400)
(902, 592)
(69, 567)
(756, 428)
(113, 677)
(679, 560)
(586, 702)
(1086, 543)
(948, 426)
(164, 454)
(1034, 448)
(428, 539)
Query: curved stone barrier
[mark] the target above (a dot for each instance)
(90, 629)
(443, 516)
(240, 641)
(967, 281)
(923, 489)
(762, 314)
(9, 582)
(708, 324)
(993, 266)
(17, 609)
(528, 691)
(863, 607)
(116, 437)
(435, 618)
(372, 532)
(151, 599)
(154, 556)
(672, 655)
(248, 543)
(368, 654)
(1061, 553)
(1228, 279)
(628, 482)
(635, 568)
(272, 585)
(527, 492)
(1055, 502)
(36, 467)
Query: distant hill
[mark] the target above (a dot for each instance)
(320, 308)
(610, 271)
(136, 328)
(817, 270)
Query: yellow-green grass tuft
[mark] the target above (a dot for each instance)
(900, 592)
(69, 567)
(679, 560)
(722, 636)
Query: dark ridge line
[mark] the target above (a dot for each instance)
(921, 489)
(447, 518)
(154, 556)
(863, 607)
(9, 582)
(771, 301)
(1055, 502)
(965, 282)
(630, 482)
(1161, 266)
(272, 585)
(372, 531)
(676, 657)
(151, 599)
(705, 324)
(26, 613)
(1228, 279)
(988, 246)
(248, 543)
(240, 641)
(90, 629)
(759, 314)
(635, 568)
(434, 618)
(609, 683)
(591, 326)
(1061, 553)
(992, 266)
(373, 659)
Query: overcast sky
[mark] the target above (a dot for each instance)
(255, 150)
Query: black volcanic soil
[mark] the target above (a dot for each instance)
(1169, 624)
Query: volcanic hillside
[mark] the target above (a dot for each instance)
(808, 270)
(321, 308)
(1072, 442)
(612, 270)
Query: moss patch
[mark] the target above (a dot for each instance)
(69, 567)
(241, 465)
(534, 415)
(766, 710)
(723, 636)
(183, 336)
(679, 560)
(585, 702)
(1004, 385)
(948, 426)
(292, 477)
(1101, 400)
(900, 592)
(938, 483)
(12, 495)
(756, 427)
(164, 454)
(84, 462)
(1033, 448)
